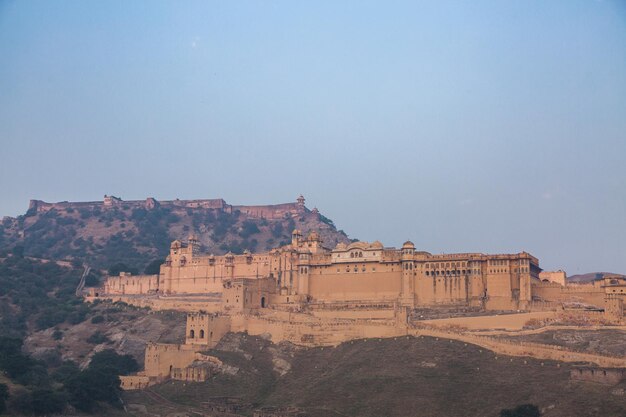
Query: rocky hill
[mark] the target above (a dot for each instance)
(404, 376)
(136, 232)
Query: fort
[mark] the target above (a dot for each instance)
(311, 295)
(276, 211)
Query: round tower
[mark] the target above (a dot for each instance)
(304, 270)
(296, 237)
(407, 294)
(229, 264)
(194, 247)
(300, 203)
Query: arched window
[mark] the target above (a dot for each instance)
(201, 334)
(192, 334)
(262, 302)
(352, 254)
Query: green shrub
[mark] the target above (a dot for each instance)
(98, 338)
(524, 410)
(4, 395)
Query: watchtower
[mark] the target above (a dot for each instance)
(407, 294)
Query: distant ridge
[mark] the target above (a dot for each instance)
(588, 277)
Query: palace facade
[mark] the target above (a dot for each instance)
(305, 272)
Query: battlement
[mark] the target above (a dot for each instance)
(610, 376)
(274, 211)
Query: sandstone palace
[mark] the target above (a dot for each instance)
(308, 294)
(306, 272)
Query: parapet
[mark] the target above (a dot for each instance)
(610, 376)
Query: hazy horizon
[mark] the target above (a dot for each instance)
(480, 127)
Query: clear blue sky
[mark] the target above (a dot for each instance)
(488, 126)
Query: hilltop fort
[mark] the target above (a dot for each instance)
(137, 232)
(275, 211)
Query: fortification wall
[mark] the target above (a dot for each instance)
(558, 277)
(161, 359)
(442, 290)
(191, 374)
(132, 382)
(206, 329)
(602, 376)
(127, 284)
(501, 304)
(586, 294)
(315, 333)
(500, 321)
(206, 303)
(517, 348)
(383, 313)
(277, 211)
(378, 286)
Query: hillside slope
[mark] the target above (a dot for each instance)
(136, 232)
(400, 377)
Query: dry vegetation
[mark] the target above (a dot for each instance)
(389, 377)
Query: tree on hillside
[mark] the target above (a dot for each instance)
(524, 410)
(47, 401)
(154, 267)
(4, 395)
(18, 251)
(122, 364)
(121, 267)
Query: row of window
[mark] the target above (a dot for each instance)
(192, 334)
(452, 272)
(446, 265)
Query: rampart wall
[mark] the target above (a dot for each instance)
(517, 348)
(602, 376)
(208, 303)
(586, 294)
(499, 321)
(275, 211)
(126, 284)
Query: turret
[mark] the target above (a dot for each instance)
(407, 295)
(230, 265)
(296, 237)
(304, 262)
(194, 247)
(300, 203)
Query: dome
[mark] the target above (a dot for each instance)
(377, 245)
(408, 244)
(340, 246)
(358, 245)
(175, 244)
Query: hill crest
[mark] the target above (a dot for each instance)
(138, 231)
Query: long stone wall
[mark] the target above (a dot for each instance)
(586, 294)
(517, 348)
(208, 303)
